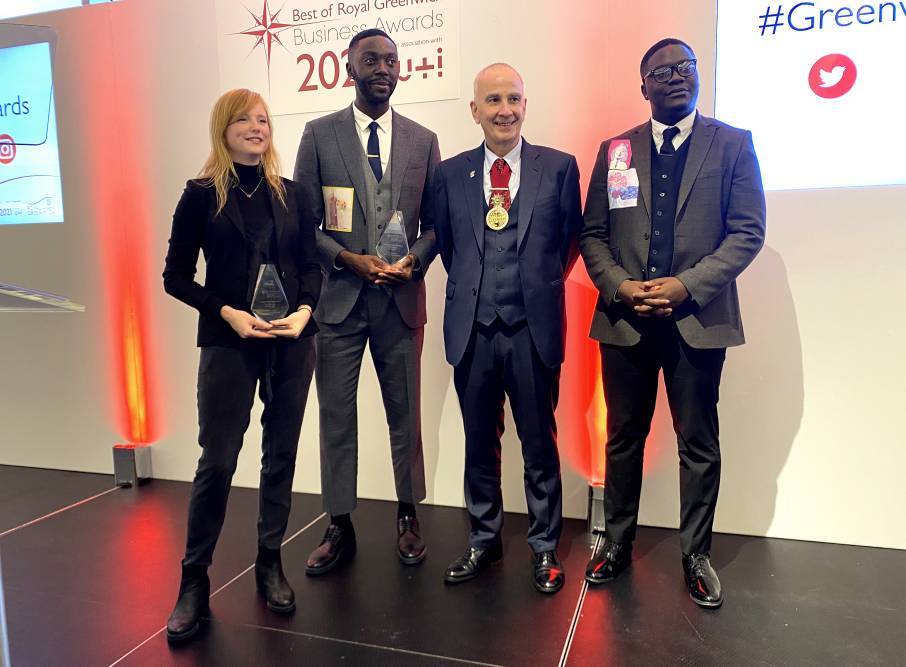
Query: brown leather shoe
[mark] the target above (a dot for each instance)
(410, 546)
(337, 545)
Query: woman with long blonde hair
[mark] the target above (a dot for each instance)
(252, 228)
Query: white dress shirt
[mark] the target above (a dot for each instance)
(514, 159)
(384, 132)
(685, 129)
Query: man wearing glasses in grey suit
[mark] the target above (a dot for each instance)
(358, 166)
(675, 212)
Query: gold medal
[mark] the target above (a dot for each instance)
(497, 218)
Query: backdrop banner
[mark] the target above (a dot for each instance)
(295, 53)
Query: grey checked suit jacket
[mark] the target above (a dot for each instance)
(719, 228)
(330, 154)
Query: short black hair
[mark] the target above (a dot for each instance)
(365, 34)
(657, 46)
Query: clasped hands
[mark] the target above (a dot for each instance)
(375, 270)
(247, 325)
(653, 298)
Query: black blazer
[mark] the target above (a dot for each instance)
(220, 238)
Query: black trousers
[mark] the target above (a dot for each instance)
(227, 377)
(692, 379)
(502, 361)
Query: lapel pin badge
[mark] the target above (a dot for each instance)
(472, 174)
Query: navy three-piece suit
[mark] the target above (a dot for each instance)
(505, 326)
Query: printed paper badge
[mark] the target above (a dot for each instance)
(338, 208)
(622, 188)
(620, 154)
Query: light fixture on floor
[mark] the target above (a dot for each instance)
(595, 508)
(131, 464)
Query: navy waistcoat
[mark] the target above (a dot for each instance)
(500, 294)
(666, 174)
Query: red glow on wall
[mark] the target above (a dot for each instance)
(134, 376)
(583, 105)
(118, 180)
(581, 414)
(125, 270)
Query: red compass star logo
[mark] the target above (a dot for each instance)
(266, 32)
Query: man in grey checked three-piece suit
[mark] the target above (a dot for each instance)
(358, 165)
(675, 211)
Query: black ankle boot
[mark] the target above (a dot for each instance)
(191, 605)
(272, 583)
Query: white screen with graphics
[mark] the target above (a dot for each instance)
(819, 86)
(30, 188)
(12, 8)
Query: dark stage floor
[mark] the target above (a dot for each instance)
(93, 584)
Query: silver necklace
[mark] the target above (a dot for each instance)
(249, 194)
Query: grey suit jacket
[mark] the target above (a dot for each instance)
(719, 228)
(330, 154)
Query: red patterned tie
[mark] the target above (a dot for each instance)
(500, 182)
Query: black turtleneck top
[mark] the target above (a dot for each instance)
(257, 219)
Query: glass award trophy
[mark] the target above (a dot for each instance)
(393, 244)
(269, 302)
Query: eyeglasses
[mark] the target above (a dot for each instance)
(665, 73)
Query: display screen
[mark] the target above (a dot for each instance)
(818, 85)
(30, 187)
(12, 8)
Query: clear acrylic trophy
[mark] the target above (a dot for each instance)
(393, 244)
(269, 302)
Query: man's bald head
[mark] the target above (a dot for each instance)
(491, 72)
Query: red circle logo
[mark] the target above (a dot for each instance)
(832, 76)
(7, 149)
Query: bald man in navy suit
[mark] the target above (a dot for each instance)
(507, 216)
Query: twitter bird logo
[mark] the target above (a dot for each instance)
(832, 78)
